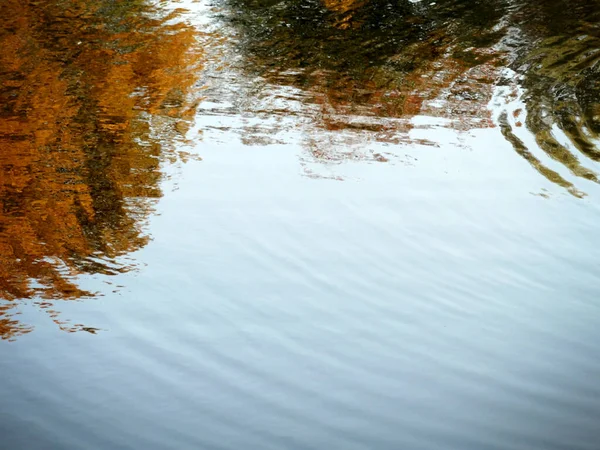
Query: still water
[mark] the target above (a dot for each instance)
(300, 224)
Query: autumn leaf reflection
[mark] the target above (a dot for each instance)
(93, 97)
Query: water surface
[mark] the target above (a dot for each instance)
(299, 224)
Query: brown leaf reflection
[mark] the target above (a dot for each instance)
(94, 95)
(366, 68)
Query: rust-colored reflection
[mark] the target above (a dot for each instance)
(93, 96)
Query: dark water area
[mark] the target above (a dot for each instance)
(353, 224)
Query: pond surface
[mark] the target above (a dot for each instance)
(311, 224)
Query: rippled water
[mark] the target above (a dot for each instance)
(299, 224)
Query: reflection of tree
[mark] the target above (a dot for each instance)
(392, 58)
(91, 94)
(561, 63)
(371, 64)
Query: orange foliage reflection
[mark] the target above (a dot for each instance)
(93, 96)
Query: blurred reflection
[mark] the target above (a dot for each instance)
(371, 65)
(93, 97)
(560, 64)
